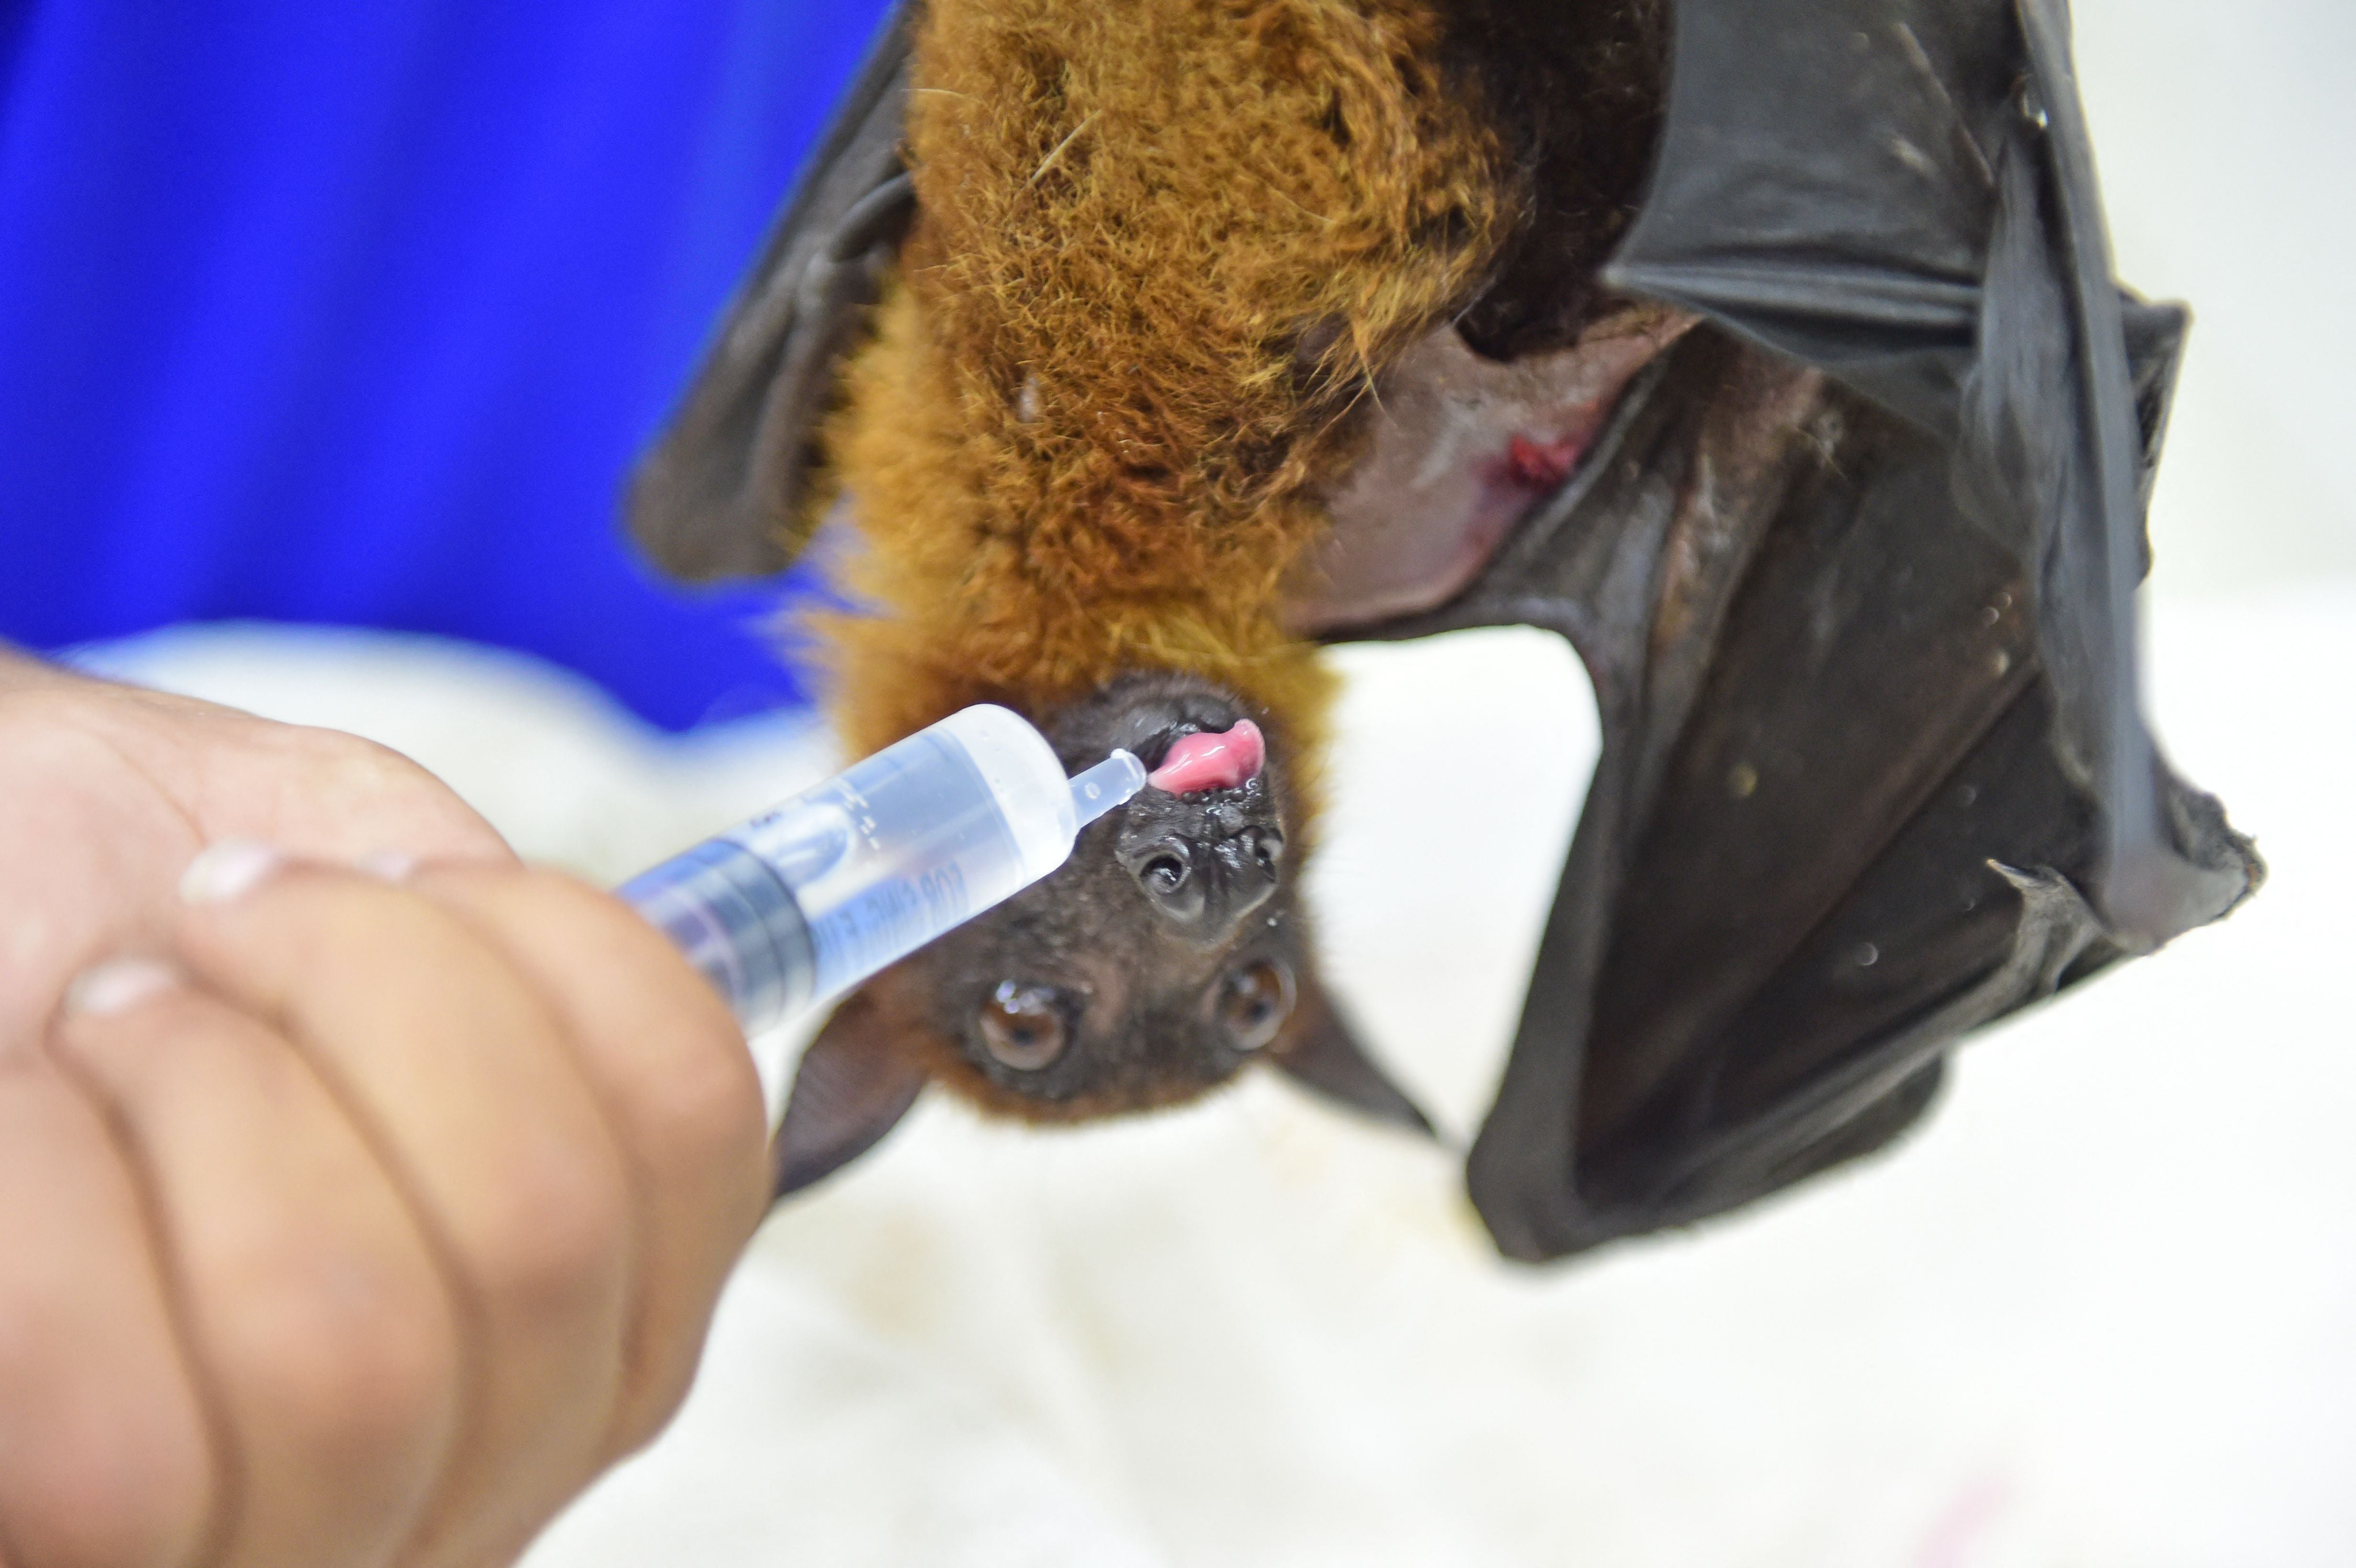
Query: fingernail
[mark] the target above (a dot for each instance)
(386, 864)
(118, 985)
(227, 870)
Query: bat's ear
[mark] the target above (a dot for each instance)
(854, 1084)
(730, 489)
(1323, 1054)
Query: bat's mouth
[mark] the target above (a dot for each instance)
(1206, 845)
(1210, 760)
(1176, 724)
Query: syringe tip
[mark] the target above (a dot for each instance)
(1108, 784)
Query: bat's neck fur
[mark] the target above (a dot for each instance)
(1164, 247)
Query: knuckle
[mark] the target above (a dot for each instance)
(553, 1234)
(701, 1093)
(126, 1480)
(661, 1394)
(705, 1106)
(352, 760)
(686, 1092)
(349, 1360)
(112, 1499)
(400, 795)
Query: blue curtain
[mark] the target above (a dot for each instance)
(359, 311)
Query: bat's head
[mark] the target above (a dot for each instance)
(1169, 952)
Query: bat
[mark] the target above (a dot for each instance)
(1766, 350)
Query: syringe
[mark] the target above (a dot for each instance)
(802, 903)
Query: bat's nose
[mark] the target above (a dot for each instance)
(1205, 889)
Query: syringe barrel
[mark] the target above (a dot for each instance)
(804, 902)
(736, 920)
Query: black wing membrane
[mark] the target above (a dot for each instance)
(725, 492)
(1853, 573)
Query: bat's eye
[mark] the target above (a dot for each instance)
(1254, 1002)
(1022, 1027)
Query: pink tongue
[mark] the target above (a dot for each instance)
(1202, 761)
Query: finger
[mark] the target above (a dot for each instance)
(104, 1453)
(110, 790)
(454, 1072)
(669, 1065)
(310, 1300)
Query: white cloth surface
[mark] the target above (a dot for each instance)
(2097, 1315)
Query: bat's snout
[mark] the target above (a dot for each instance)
(1205, 883)
(1204, 845)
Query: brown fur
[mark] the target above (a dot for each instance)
(1164, 247)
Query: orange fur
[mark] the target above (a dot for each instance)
(1164, 245)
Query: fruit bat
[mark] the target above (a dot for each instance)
(1766, 350)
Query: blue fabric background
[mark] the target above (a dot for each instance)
(359, 311)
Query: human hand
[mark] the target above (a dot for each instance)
(364, 1221)
(107, 791)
